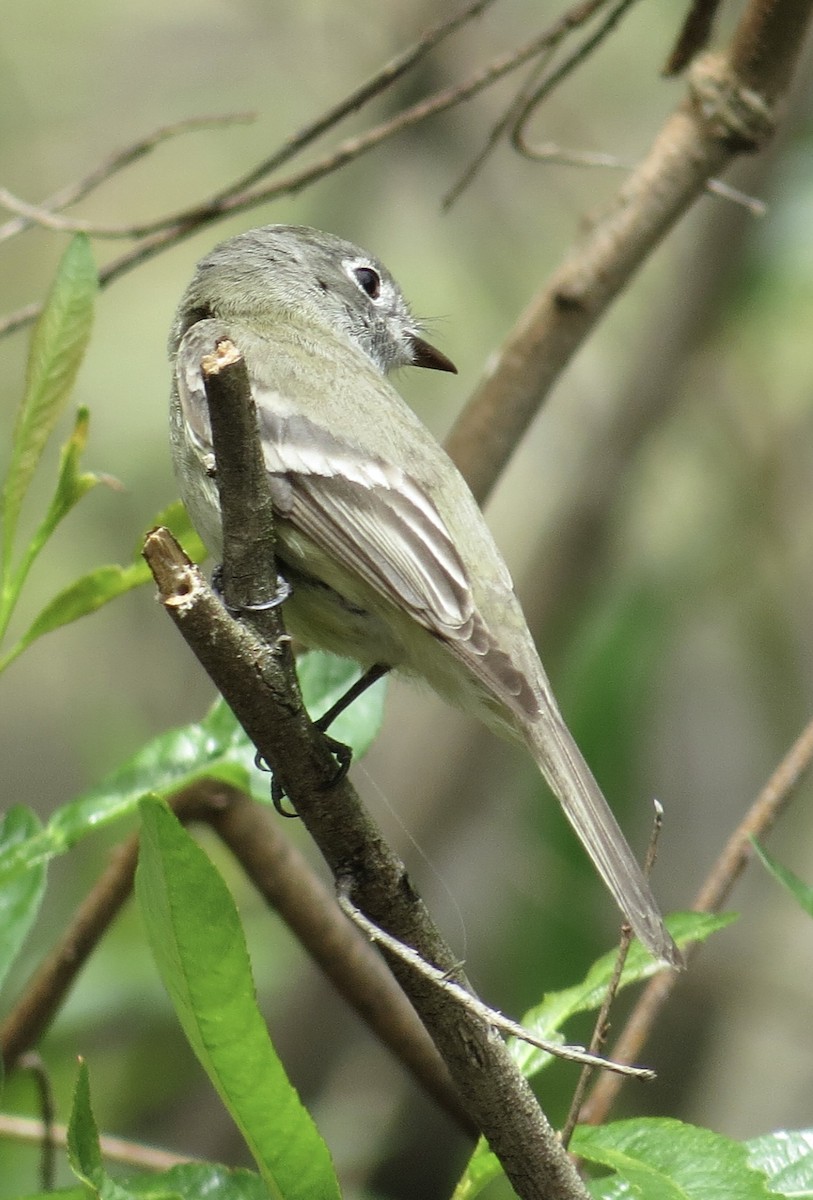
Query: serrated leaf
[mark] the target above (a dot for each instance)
(199, 947)
(800, 891)
(669, 1160)
(21, 897)
(786, 1159)
(57, 347)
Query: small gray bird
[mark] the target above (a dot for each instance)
(387, 554)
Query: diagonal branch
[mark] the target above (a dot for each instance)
(259, 686)
(761, 817)
(727, 111)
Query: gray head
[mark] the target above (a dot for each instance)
(293, 273)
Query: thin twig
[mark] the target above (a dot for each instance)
(114, 163)
(763, 814)
(32, 1062)
(556, 77)
(472, 1004)
(723, 115)
(395, 69)
(602, 1025)
(153, 237)
(131, 1154)
(578, 15)
(694, 35)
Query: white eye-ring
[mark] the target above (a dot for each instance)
(367, 278)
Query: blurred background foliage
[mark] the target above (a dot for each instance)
(657, 520)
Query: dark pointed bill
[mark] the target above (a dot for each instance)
(424, 355)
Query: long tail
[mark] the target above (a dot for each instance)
(571, 780)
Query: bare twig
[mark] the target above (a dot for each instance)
(472, 1004)
(694, 35)
(153, 237)
(726, 112)
(32, 1063)
(544, 89)
(763, 814)
(575, 17)
(602, 1025)
(256, 686)
(131, 1154)
(117, 162)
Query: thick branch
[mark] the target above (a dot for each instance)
(723, 114)
(263, 694)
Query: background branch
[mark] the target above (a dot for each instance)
(761, 817)
(725, 113)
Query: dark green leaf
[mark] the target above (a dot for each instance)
(57, 347)
(198, 944)
(668, 1160)
(21, 897)
(800, 891)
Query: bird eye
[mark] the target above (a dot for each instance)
(369, 280)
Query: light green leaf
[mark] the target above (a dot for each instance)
(21, 897)
(215, 748)
(547, 1018)
(199, 947)
(57, 347)
(786, 1160)
(800, 891)
(191, 1181)
(668, 1160)
(103, 584)
(84, 1152)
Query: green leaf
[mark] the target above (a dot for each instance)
(214, 748)
(199, 947)
(21, 897)
(668, 1160)
(84, 1152)
(786, 1160)
(57, 347)
(103, 584)
(324, 679)
(191, 1181)
(70, 488)
(800, 891)
(547, 1018)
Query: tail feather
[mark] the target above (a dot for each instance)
(571, 780)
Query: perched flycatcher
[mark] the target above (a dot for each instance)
(386, 552)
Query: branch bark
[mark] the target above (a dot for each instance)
(728, 111)
(259, 685)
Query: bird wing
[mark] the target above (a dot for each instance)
(369, 515)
